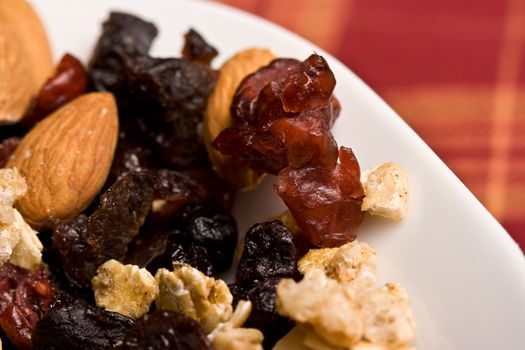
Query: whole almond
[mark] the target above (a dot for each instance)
(218, 117)
(25, 23)
(16, 82)
(66, 158)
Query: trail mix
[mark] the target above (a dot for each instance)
(117, 182)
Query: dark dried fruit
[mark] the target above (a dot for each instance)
(81, 326)
(163, 103)
(283, 115)
(130, 156)
(326, 203)
(217, 191)
(122, 34)
(7, 148)
(166, 330)
(25, 297)
(238, 292)
(68, 82)
(268, 252)
(197, 49)
(85, 243)
(213, 228)
(264, 315)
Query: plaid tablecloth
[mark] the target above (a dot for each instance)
(454, 70)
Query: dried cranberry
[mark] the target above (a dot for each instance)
(25, 297)
(326, 203)
(78, 325)
(165, 330)
(264, 315)
(68, 82)
(197, 49)
(268, 252)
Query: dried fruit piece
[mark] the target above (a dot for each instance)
(66, 158)
(78, 325)
(213, 228)
(197, 49)
(85, 243)
(326, 203)
(25, 297)
(125, 289)
(20, 17)
(352, 263)
(7, 148)
(218, 116)
(325, 305)
(190, 292)
(165, 330)
(264, 315)
(268, 252)
(17, 85)
(68, 82)
(386, 191)
(122, 34)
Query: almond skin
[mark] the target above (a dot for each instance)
(16, 83)
(218, 117)
(21, 18)
(66, 158)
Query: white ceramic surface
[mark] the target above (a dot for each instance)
(464, 274)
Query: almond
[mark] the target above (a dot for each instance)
(17, 83)
(66, 158)
(218, 117)
(20, 17)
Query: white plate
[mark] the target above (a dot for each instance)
(464, 274)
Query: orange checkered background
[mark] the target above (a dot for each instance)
(453, 69)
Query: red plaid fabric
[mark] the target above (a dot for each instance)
(454, 70)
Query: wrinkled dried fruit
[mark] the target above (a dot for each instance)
(284, 112)
(268, 252)
(217, 191)
(197, 49)
(165, 330)
(78, 325)
(130, 156)
(238, 293)
(25, 297)
(85, 243)
(7, 148)
(326, 203)
(122, 34)
(213, 228)
(264, 315)
(68, 82)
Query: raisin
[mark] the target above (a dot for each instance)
(78, 325)
(268, 252)
(85, 243)
(130, 156)
(238, 292)
(214, 228)
(217, 191)
(283, 115)
(7, 148)
(166, 330)
(264, 315)
(68, 82)
(197, 49)
(25, 297)
(326, 203)
(122, 34)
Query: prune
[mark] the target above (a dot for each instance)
(7, 147)
(264, 315)
(197, 49)
(212, 227)
(84, 243)
(68, 82)
(25, 297)
(283, 115)
(78, 325)
(326, 203)
(122, 34)
(268, 252)
(164, 103)
(166, 330)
